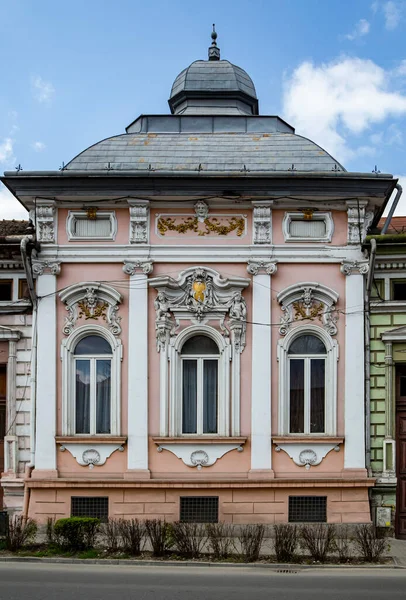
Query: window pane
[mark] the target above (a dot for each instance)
(307, 344)
(296, 416)
(93, 344)
(189, 403)
(103, 396)
(6, 289)
(317, 395)
(83, 396)
(200, 344)
(399, 290)
(210, 396)
(308, 229)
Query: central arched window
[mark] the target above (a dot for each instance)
(92, 357)
(307, 385)
(200, 385)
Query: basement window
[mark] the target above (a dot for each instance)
(199, 509)
(307, 509)
(307, 227)
(89, 506)
(91, 226)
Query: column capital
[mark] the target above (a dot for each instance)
(349, 267)
(255, 266)
(144, 266)
(41, 267)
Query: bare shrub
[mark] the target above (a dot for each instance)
(159, 535)
(285, 541)
(188, 538)
(220, 539)
(133, 535)
(20, 531)
(111, 531)
(250, 538)
(370, 547)
(342, 543)
(318, 539)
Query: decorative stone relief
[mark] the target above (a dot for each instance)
(256, 265)
(348, 267)
(201, 210)
(359, 221)
(199, 456)
(39, 267)
(139, 217)
(200, 294)
(91, 455)
(44, 217)
(308, 301)
(262, 215)
(202, 223)
(307, 455)
(91, 300)
(131, 267)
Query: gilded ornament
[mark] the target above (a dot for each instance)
(212, 225)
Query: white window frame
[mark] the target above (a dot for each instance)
(76, 215)
(69, 358)
(300, 216)
(331, 360)
(307, 384)
(176, 381)
(92, 372)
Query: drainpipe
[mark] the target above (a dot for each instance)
(392, 208)
(31, 288)
(368, 358)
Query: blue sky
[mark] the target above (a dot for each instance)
(75, 73)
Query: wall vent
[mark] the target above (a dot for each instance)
(199, 509)
(307, 509)
(88, 506)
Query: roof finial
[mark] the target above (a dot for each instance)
(214, 52)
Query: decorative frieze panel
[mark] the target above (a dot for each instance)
(200, 455)
(307, 454)
(92, 301)
(139, 218)
(308, 301)
(201, 224)
(200, 294)
(91, 455)
(44, 218)
(359, 221)
(262, 216)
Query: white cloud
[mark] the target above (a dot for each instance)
(360, 29)
(38, 146)
(346, 96)
(10, 208)
(6, 150)
(392, 13)
(43, 90)
(401, 69)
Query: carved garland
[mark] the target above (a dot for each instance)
(192, 224)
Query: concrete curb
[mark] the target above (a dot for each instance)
(284, 567)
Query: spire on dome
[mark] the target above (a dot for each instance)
(214, 52)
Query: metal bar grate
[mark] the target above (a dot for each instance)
(307, 509)
(88, 506)
(199, 509)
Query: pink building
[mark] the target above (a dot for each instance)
(199, 346)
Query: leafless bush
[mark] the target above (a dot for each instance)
(318, 539)
(111, 531)
(20, 530)
(370, 547)
(250, 538)
(285, 541)
(133, 535)
(342, 543)
(220, 539)
(159, 535)
(188, 538)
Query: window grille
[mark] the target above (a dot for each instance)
(307, 509)
(88, 506)
(199, 509)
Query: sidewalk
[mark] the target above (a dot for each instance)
(398, 551)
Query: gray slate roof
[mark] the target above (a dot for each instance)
(221, 152)
(213, 76)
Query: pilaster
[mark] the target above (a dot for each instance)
(261, 442)
(139, 221)
(138, 368)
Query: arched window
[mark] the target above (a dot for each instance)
(200, 383)
(307, 385)
(92, 357)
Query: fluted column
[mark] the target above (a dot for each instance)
(137, 443)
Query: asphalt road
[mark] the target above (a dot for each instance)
(19, 581)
